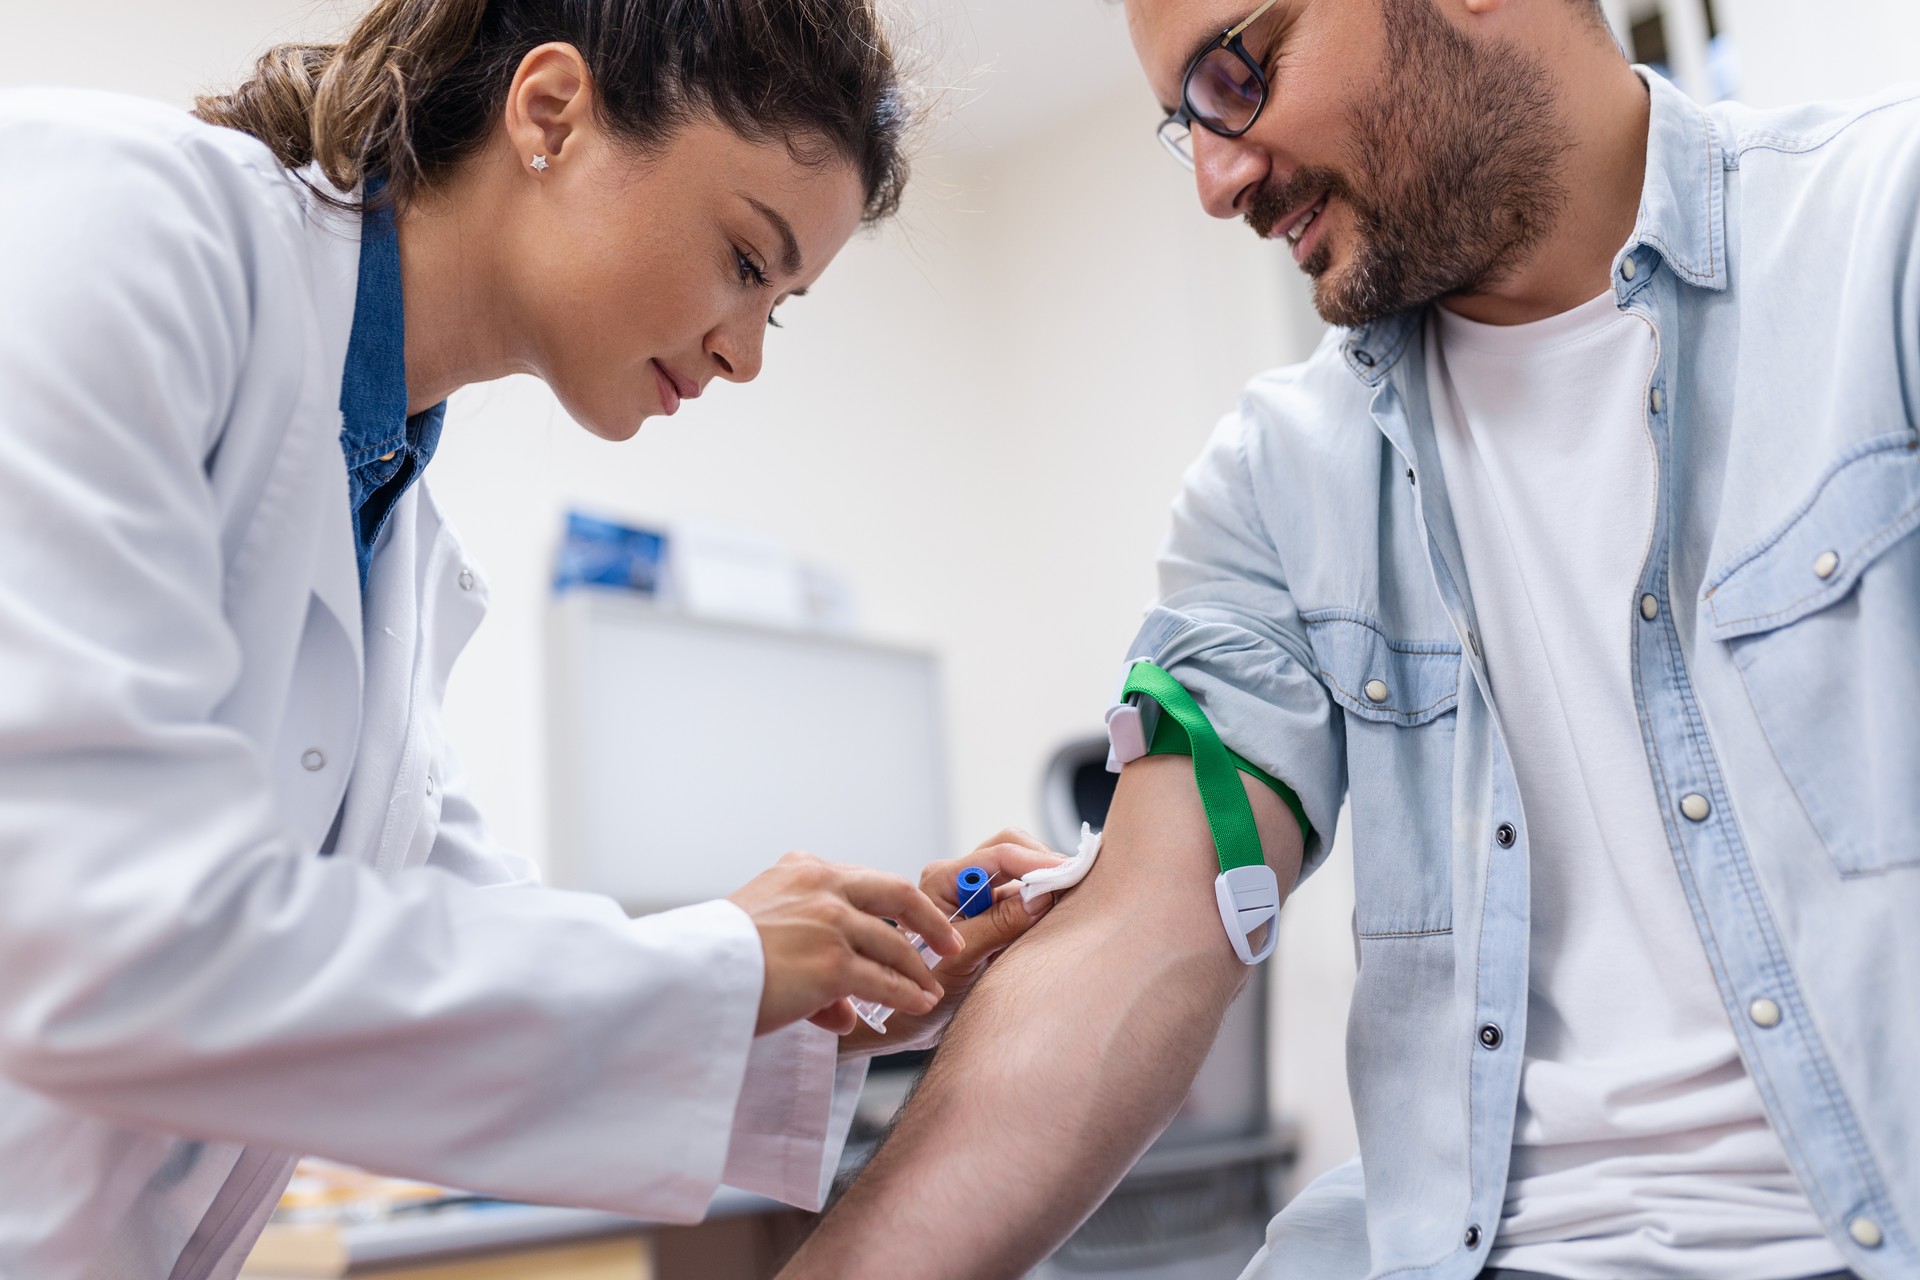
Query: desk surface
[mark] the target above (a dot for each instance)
(491, 1225)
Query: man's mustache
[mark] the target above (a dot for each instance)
(1277, 198)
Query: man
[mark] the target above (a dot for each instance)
(1581, 557)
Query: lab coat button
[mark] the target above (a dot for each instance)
(1764, 1012)
(466, 579)
(1376, 691)
(1695, 806)
(1504, 835)
(1825, 564)
(1865, 1232)
(429, 784)
(314, 760)
(1649, 606)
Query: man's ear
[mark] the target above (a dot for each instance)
(550, 104)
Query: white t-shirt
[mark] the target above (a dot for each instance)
(1640, 1148)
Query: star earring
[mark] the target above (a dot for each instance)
(539, 164)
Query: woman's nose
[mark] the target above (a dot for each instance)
(736, 349)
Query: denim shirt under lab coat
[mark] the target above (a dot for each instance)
(1777, 256)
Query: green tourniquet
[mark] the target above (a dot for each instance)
(1173, 737)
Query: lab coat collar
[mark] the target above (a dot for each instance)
(334, 245)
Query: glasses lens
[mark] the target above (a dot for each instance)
(1177, 138)
(1223, 91)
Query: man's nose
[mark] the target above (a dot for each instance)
(1227, 171)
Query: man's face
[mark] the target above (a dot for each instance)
(1406, 159)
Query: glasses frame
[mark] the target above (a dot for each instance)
(1184, 115)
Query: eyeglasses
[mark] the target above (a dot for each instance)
(1222, 91)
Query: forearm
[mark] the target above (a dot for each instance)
(1064, 1064)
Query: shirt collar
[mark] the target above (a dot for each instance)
(1682, 221)
(373, 389)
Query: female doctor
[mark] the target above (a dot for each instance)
(246, 910)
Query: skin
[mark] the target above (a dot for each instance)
(587, 273)
(628, 281)
(1072, 1053)
(1075, 1049)
(1331, 109)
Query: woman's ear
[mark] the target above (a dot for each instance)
(550, 106)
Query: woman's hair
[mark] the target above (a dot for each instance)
(418, 84)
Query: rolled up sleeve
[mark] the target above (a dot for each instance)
(1227, 629)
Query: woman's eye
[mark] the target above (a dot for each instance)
(773, 321)
(750, 272)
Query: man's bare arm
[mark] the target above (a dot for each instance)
(1068, 1059)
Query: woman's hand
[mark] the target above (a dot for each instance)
(825, 935)
(1006, 856)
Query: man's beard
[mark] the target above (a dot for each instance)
(1459, 147)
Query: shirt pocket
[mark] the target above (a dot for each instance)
(1398, 698)
(1822, 620)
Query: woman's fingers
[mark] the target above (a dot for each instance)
(837, 1017)
(890, 897)
(881, 943)
(1014, 835)
(1003, 861)
(870, 980)
(993, 931)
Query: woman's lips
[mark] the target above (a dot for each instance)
(670, 396)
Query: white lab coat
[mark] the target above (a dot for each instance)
(189, 994)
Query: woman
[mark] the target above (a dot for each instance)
(245, 908)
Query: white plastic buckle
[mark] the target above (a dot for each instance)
(1249, 897)
(1126, 735)
(1130, 725)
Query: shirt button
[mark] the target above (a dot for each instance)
(1376, 691)
(314, 760)
(1628, 270)
(466, 579)
(1659, 401)
(1364, 357)
(1505, 835)
(1826, 563)
(1695, 806)
(1764, 1012)
(1865, 1232)
(1490, 1036)
(1472, 1238)
(1473, 642)
(1649, 607)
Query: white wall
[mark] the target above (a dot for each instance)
(1794, 51)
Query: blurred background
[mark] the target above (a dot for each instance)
(960, 454)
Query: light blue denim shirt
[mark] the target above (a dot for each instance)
(1777, 684)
